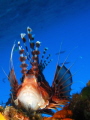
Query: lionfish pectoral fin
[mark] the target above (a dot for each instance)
(52, 106)
(56, 103)
(44, 105)
(62, 82)
(12, 79)
(12, 76)
(13, 82)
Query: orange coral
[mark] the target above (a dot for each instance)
(51, 118)
(63, 114)
(60, 115)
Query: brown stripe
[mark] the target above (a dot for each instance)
(23, 65)
(21, 51)
(30, 36)
(24, 40)
(24, 71)
(35, 52)
(22, 59)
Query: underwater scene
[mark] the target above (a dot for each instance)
(44, 59)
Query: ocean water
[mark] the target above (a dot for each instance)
(53, 22)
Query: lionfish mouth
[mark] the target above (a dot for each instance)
(34, 91)
(29, 96)
(30, 100)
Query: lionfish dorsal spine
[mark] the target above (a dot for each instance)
(33, 55)
(31, 38)
(35, 58)
(46, 61)
(22, 59)
(34, 51)
(24, 42)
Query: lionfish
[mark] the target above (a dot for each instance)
(34, 92)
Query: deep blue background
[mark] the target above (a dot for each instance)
(53, 22)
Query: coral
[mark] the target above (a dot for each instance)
(2, 117)
(60, 115)
(63, 114)
(11, 113)
(80, 104)
(86, 91)
(1, 109)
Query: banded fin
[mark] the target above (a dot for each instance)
(13, 82)
(12, 76)
(35, 59)
(62, 82)
(44, 62)
(24, 42)
(33, 55)
(22, 59)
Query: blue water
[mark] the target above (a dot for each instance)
(53, 22)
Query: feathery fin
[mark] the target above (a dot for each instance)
(59, 84)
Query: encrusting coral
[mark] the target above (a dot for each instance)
(80, 104)
(11, 113)
(64, 114)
